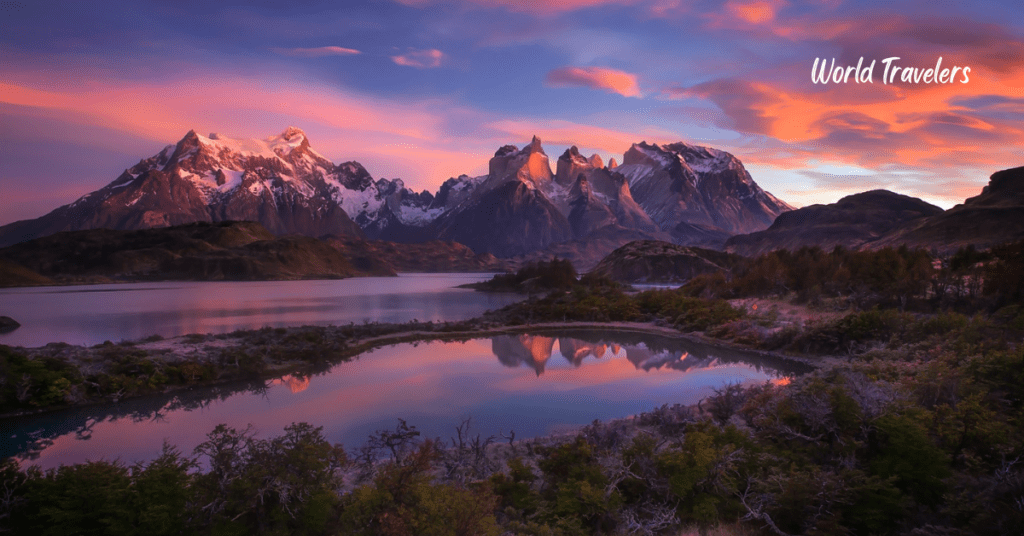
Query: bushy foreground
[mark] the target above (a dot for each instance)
(924, 447)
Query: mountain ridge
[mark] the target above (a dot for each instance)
(520, 206)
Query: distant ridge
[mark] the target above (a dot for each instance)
(993, 217)
(851, 222)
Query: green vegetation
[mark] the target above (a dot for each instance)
(911, 280)
(115, 371)
(931, 441)
(34, 382)
(533, 277)
(919, 429)
(598, 299)
(62, 375)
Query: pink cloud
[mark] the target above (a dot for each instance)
(611, 80)
(421, 59)
(422, 141)
(530, 6)
(756, 12)
(317, 52)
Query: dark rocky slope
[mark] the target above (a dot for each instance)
(993, 217)
(851, 222)
(509, 220)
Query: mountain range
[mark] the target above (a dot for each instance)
(521, 210)
(683, 193)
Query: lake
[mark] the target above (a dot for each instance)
(534, 384)
(91, 314)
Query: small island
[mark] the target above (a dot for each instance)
(8, 324)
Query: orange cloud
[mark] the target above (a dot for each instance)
(530, 6)
(756, 12)
(935, 141)
(611, 80)
(421, 59)
(317, 52)
(423, 142)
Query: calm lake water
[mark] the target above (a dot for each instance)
(91, 314)
(531, 384)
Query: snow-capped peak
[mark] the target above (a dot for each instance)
(284, 143)
(701, 159)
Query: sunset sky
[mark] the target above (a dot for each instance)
(426, 90)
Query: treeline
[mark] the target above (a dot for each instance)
(596, 299)
(556, 274)
(909, 279)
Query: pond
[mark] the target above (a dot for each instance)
(532, 384)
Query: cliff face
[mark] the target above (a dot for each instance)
(509, 220)
(680, 183)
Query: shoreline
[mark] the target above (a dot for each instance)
(209, 349)
(93, 282)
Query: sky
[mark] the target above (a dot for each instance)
(425, 90)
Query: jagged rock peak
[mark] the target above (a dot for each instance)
(571, 154)
(293, 139)
(535, 145)
(506, 150)
(570, 165)
(291, 133)
(640, 152)
(612, 163)
(529, 164)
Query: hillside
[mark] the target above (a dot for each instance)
(648, 261)
(240, 251)
(851, 222)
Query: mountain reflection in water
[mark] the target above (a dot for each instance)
(532, 383)
(645, 352)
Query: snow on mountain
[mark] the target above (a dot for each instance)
(280, 182)
(681, 186)
(518, 207)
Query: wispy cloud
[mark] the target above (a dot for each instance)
(317, 52)
(611, 80)
(421, 59)
(541, 7)
(423, 141)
